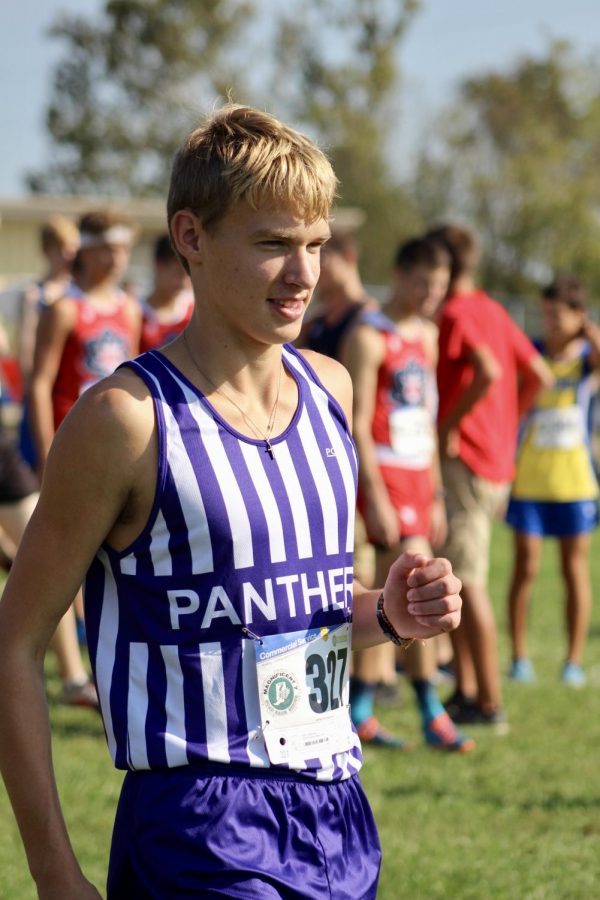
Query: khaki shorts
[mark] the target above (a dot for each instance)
(472, 503)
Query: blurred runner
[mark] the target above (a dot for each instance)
(168, 308)
(391, 357)
(555, 489)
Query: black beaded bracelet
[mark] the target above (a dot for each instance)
(388, 629)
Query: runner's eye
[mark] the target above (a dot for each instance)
(274, 244)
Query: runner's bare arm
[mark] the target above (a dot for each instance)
(535, 375)
(591, 332)
(134, 312)
(26, 327)
(93, 489)
(363, 356)
(439, 522)
(432, 335)
(55, 324)
(486, 370)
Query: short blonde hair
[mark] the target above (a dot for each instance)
(58, 231)
(243, 153)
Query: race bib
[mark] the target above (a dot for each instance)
(561, 428)
(411, 437)
(303, 686)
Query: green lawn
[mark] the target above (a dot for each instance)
(518, 818)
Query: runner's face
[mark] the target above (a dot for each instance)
(258, 271)
(105, 262)
(334, 272)
(170, 277)
(60, 256)
(561, 319)
(439, 279)
(420, 290)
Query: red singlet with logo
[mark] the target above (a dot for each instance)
(157, 333)
(100, 340)
(403, 426)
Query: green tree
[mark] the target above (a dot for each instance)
(344, 63)
(132, 81)
(517, 158)
(130, 84)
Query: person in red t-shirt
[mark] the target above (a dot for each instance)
(489, 373)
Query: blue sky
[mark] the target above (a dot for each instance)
(449, 39)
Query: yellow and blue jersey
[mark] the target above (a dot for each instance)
(554, 460)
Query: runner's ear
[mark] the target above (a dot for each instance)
(187, 233)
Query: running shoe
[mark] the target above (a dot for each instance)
(457, 703)
(494, 719)
(521, 670)
(371, 731)
(573, 675)
(441, 734)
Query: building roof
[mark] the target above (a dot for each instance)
(149, 214)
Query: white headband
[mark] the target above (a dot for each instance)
(117, 234)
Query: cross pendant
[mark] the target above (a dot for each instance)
(268, 448)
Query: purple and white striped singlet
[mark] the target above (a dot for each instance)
(238, 544)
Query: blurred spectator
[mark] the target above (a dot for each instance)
(167, 310)
(341, 298)
(18, 499)
(555, 489)
(489, 373)
(392, 360)
(59, 241)
(83, 336)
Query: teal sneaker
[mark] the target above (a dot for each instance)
(521, 670)
(573, 675)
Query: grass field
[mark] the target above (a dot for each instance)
(518, 818)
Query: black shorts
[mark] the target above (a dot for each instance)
(17, 480)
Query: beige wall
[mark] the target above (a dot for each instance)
(21, 219)
(21, 258)
(19, 252)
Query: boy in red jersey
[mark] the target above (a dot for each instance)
(391, 356)
(85, 334)
(89, 331)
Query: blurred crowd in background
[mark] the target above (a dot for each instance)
(459, 419)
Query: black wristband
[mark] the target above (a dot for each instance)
(388, 629)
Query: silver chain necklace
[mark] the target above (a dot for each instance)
(264, 436)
